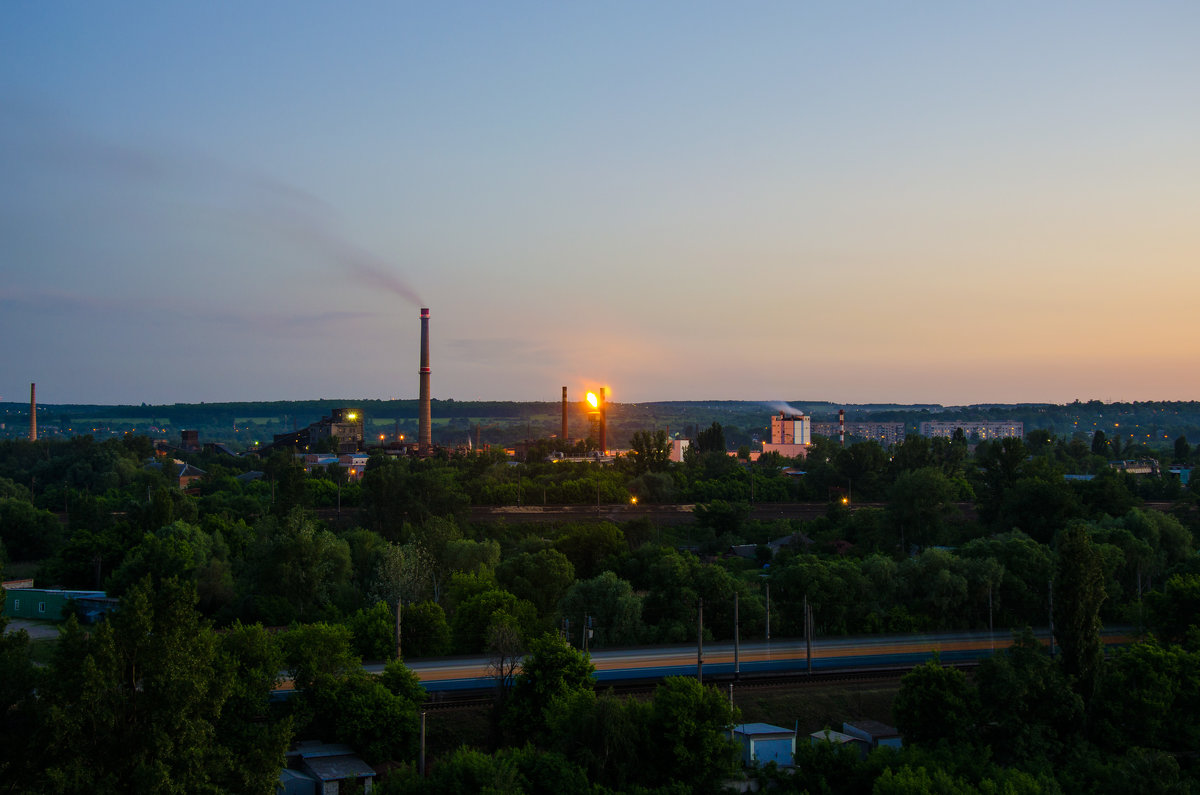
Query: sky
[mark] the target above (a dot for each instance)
(858, 202)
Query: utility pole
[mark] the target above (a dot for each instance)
(991, 629)
(399, 610)
(1051, 587)
(737, 668)
(768, 611)
(700, 641)
(808, 631)
(421, 758)
(587, 632)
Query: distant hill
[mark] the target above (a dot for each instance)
(241, 424)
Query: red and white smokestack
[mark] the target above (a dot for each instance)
(425, 421)
(33, 412)
(564, 417)
(842, 426)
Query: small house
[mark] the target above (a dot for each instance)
(316, 768)
(874, 732)
(841, 738)
(764, 743)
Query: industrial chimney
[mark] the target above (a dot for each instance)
(564, 418)
(425, 432)
(842, 426)
(603, 421)
(33, 412)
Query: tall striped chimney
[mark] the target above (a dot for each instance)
(564, 417)
(424, 423)
(842, 426)
(33, 412)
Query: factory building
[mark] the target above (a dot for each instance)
(345, 425)
(791, 435)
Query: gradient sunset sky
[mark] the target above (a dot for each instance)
(951, 202)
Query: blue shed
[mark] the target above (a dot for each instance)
(874, 732)
(764, 743)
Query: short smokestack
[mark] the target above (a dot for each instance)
(842, 426)
(564, 417)
(425, 430)
(33, 412)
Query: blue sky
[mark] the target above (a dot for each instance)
(944, 202)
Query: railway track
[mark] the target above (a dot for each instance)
(448, 701)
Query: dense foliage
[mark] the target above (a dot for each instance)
(927, 535)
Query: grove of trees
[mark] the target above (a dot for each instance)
(252, 578)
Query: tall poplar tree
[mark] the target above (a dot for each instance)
(1078, 594)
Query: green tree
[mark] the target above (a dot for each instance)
(1038, 506)
(178, 550)
(1183, 451)
(935, 703)
(540, 577)
(650, 451)
(605, 735)
(1028, 567)
(1150, 693)
(1027, 708)
(586, 545)
(711, 440)
(400, 680)
(374, 632)
(28, 533)
(359, 710)
(551, 670)
(287, 478)
(135, 706)
(919, 505)
(296, 569)
(425, 632)
(691, 723)
(472, 618)
(318, 651)
(1078, 594)
(252, 738)
(1176, 610)
(18, 706)
(614, 609)
(721, 518)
